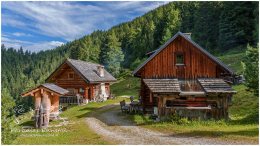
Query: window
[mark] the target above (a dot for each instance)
(71, 91)
(81, 90)
(71, 76)
(179, 59)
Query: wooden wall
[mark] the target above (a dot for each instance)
(218, 104)
(196, 63)
(163, 65)
(61, 78)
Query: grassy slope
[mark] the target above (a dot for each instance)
(75, 133)
(126, 87)
(233, 59)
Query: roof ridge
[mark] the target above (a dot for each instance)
(83, 61)
(207, 53)
(157, 51)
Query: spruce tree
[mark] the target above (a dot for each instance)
(113, 54)
(7, 117)
(251, 69)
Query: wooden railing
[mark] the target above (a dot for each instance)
(71, 100)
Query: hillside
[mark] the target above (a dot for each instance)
(124, 46)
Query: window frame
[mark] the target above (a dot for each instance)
(183, 56)
(69, 77)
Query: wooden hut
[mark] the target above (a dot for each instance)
(183, 78)
(46, 102)
(88, 80)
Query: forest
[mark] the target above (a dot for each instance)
(216, 26)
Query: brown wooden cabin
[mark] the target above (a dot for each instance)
(89, 80)
(182, 78)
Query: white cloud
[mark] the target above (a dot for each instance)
(19, 34)
(34, 47)
(44, 46)
(70, 20)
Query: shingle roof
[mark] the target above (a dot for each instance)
(163, 85)
(50, 86)
(208, 85)
(192, 42)
(214, 85)
(55, 88)
(89, 71)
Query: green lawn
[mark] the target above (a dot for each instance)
(77, 132)
(243, 124)
(233, 59)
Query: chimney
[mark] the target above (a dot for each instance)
(100, 70)
(188, 35)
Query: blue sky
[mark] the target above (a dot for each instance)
(44, 25)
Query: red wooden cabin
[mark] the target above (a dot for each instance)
(183, 78)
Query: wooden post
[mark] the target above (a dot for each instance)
(151, 97)
(40, 119)
(37, 105)
(86, 93)
(160, 106)
(36, 117)
(46, 108)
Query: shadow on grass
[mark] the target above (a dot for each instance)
(27, 123)
(88, 109)
(250, 119)
(249, 133)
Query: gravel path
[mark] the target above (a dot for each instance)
(115, 128)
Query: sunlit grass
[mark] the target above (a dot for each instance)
(76, 132)
(126, 87)
(243, 123)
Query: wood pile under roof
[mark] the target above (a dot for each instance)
(163, 85)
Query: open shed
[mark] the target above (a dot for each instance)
(46, 102)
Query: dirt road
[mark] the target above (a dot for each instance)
(109, 123)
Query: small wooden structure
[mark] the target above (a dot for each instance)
(88, 80)
(182, 78)
(46, 102)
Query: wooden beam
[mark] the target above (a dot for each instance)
(30, 92)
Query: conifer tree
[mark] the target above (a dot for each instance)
(114, 55)
(251, 69)
(7, 117)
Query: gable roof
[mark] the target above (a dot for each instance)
(50, 86)
(55, 88)
(216, 60)
(88, 71)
